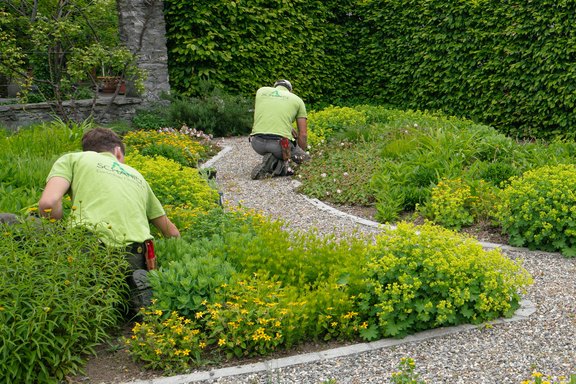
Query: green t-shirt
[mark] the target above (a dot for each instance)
(111, 196)
(275, 110)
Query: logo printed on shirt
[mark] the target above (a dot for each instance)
(117, 170)
(275, 93)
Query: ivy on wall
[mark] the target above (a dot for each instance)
(509, 63)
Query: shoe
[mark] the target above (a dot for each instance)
(262, 170)
(142, 295)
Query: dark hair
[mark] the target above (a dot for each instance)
(101, 140)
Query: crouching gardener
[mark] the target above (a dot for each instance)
(112, 199)
(275, 109)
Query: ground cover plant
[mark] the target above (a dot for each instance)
(240, 290)
(231, 287)
(448, 170)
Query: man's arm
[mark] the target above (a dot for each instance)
(302, 125)
(50, 204)
(165, 226)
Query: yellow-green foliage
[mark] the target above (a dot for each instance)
(539, 378)
(426, 277)
(538, 209)
(184, 216)
(174, 145)
(174, 184)
(454, 203)
(255, 316)
(322, 125)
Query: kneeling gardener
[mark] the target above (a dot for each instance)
(112, 199)
(275, 110)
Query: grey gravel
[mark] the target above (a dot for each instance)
(504, 352)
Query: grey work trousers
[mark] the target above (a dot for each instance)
(263, 146)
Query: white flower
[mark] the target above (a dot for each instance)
(345, 174)
(338, 191)
(323, 175)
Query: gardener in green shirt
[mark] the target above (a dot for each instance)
(112, 199)
(273, 136)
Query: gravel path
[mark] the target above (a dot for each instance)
(502, 353)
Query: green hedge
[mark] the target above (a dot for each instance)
(507, 64)
(247, 44)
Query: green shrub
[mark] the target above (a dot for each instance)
(537, 209)
(497, 173)
(323, 125)
(253, 317)
(172, 145)
(425, 277)
(186, 285)
(174, 184)
(217, 114)
(249, 317)
(61, 294)
(458, 203)
(152, 118)
(28, 155)
(18, 199)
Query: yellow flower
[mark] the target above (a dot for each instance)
(221, 342)
(199, 315)
(202, 345)
(158, 351)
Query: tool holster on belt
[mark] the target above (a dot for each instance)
(150, 255)
(142, 255)
(285, 145)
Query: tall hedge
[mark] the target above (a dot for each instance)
(510, 64)
(250, 43)
(507, 63)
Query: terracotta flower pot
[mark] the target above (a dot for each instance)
(108, 84)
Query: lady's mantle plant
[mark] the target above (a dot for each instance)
(538, 209)
(428, 277)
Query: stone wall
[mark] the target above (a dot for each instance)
(104, 110)
(143, 31)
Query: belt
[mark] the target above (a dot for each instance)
(268, 136)
(136, 248)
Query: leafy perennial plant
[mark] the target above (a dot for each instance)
(538, 209)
